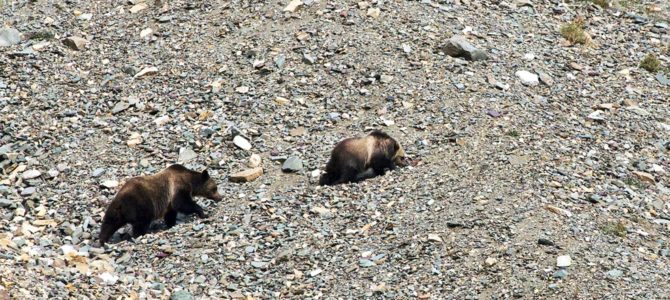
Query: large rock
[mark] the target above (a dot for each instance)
(9, 37)
(187, 154)
(75, 43)
(246, 175)
(528, 78)
(181, 295)
(292, 164)
(458, 46)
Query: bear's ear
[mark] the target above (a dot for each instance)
(205, 175)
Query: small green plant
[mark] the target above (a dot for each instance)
(634, 182)
(513, 133)
(574, 32)
(615, 228)
(650, 63)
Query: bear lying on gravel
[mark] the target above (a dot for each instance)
(352, 158)
(144, 199)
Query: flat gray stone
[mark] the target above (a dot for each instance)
(120, 106)
(98, 172)
(28, 191)
(181, 295)
(9, 37)
(614, 273)
(5, 203)
(458, 46)
(187, 154)
(664, 80)
(292, 164)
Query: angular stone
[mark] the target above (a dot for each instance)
(281, 100)
(374, 12)
(546, 79)
(146, 71)
(385, 78)
(9, 37)
(181, 295)
(563, 261)
(75, 43)
(246, 175)
(297, 131)
(5, 203)
(458, 46)
(255, 160)
(527, 78)
(146, 32)
(110, 184)
(28, 191)
(187, 154)
(293, 5)
(309, 59)
(645, 177)
(292, 164)
(138, 7)
(664, 80)
(120, 106)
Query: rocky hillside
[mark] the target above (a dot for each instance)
(539, 132)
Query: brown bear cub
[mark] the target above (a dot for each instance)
(162, 195)
(359, 158)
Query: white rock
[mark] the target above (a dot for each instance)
(281, 100)
(434, 237)
(85, 17)
(9, 37)
(146, 71)
(596, 116)
(68, 250)
(108, 278)
(529, 56)
(30, 174)
(187, 154)
(242, 89)
(241, 142)
(160, 121)
(528, 78)
(254, 160)
(374, 12)
(110, 184)
(386, 78)
(138, 7)
(53, 173)
(146, 32)
(563, 261)
(293, 5)
(216, 85)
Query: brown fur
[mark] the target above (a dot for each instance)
(147, 198)
(352, 159)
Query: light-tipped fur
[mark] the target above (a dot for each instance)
(356, 159)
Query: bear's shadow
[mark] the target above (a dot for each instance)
(125, 233)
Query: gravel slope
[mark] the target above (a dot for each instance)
(508, 177)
